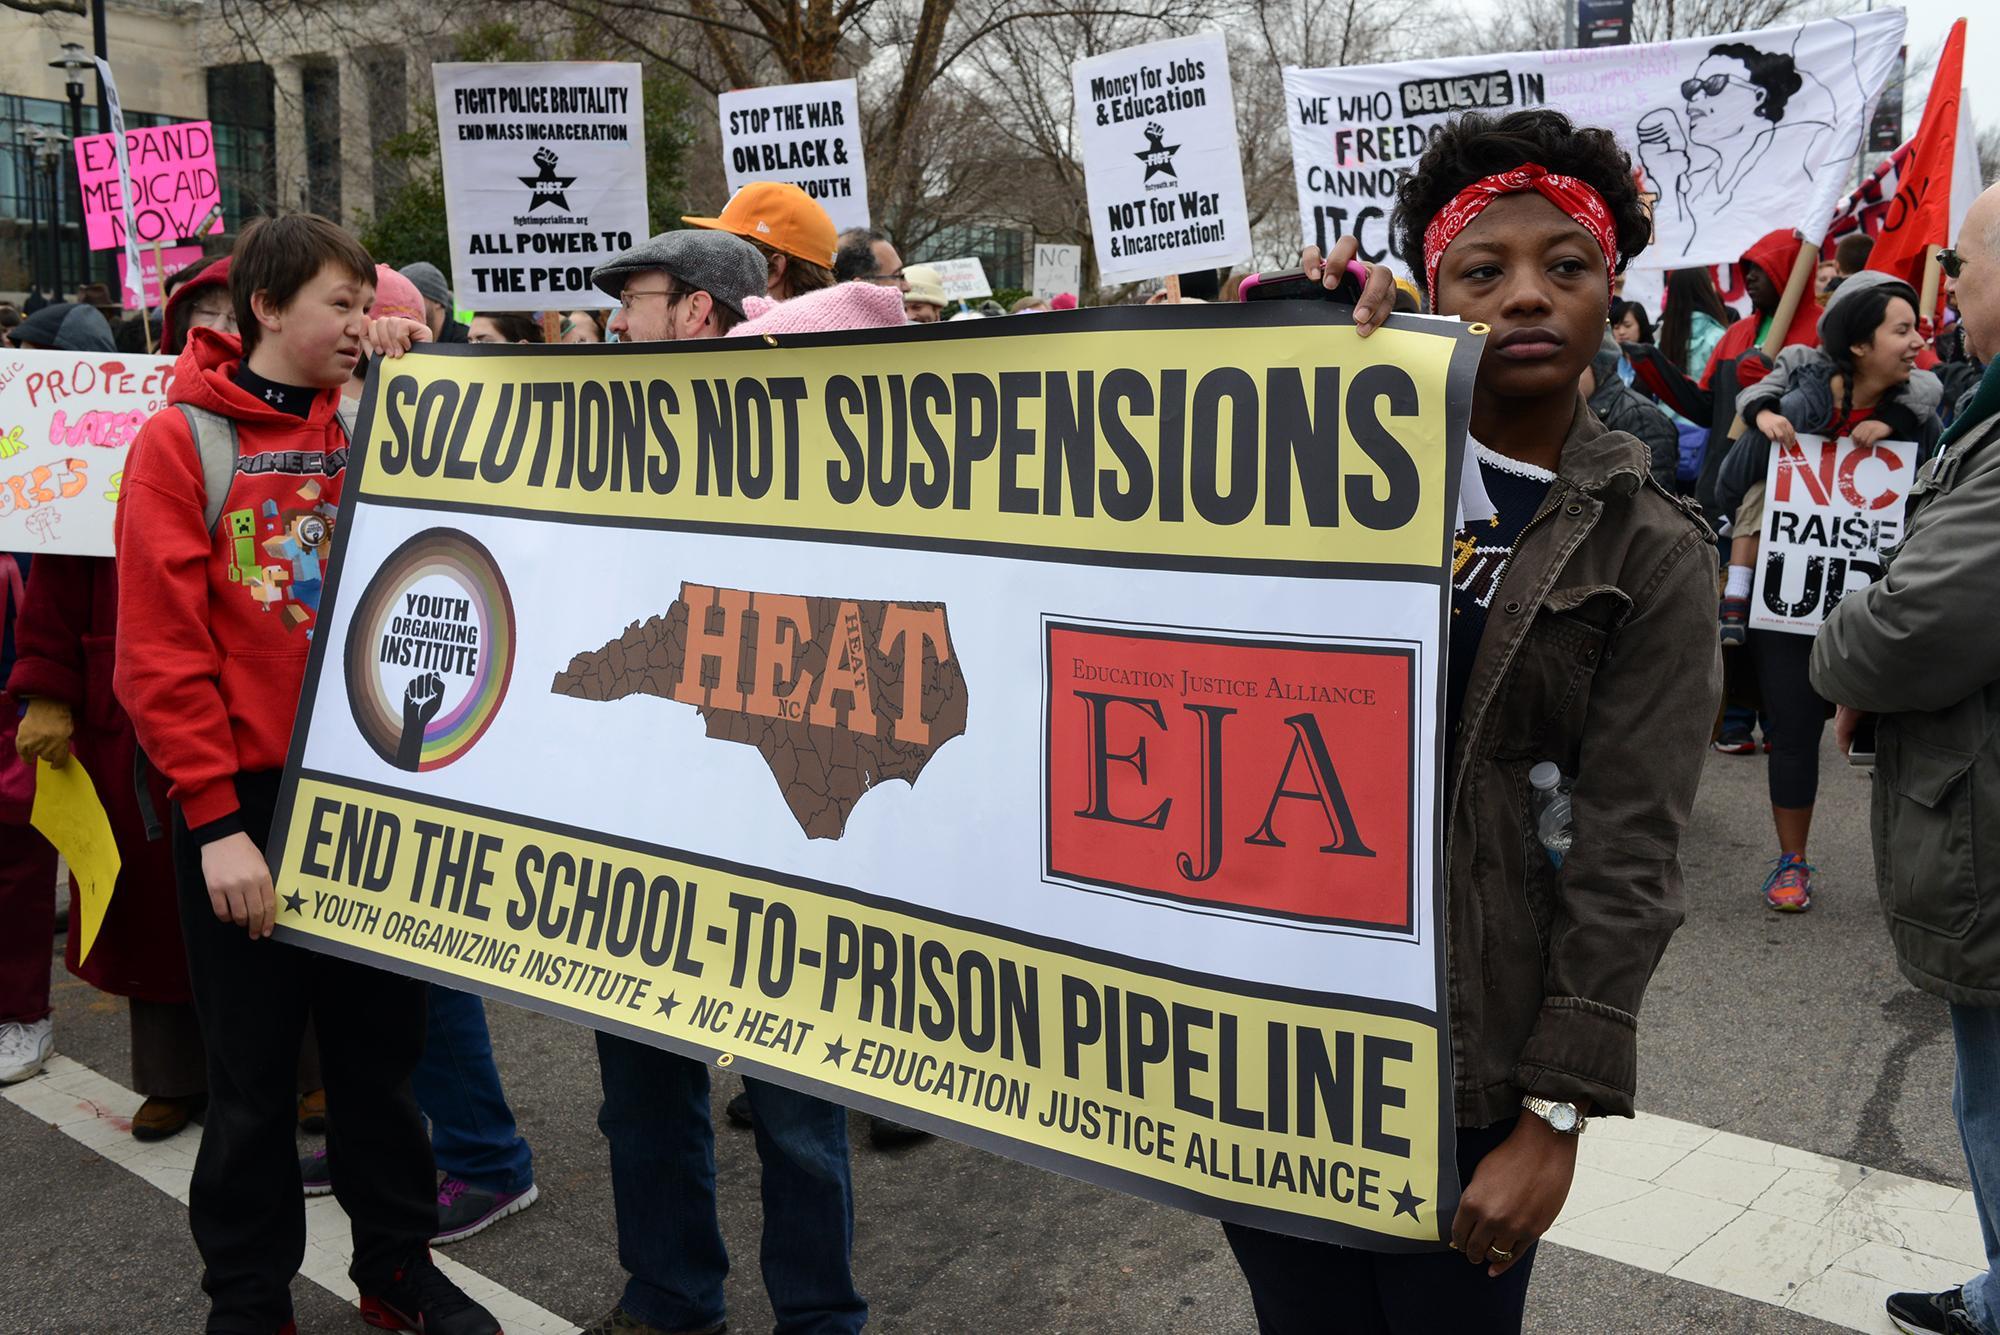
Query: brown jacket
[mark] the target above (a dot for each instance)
(1600, 654)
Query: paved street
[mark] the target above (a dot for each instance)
(1837, 1175)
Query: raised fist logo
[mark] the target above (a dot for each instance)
(545, 186)
(421, 700)
(1158, 156)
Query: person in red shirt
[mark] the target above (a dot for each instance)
(217, 610)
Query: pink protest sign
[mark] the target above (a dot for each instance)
(151, 261)
(174, 183)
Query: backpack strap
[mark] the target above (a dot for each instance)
(215, 444)
(348, 410)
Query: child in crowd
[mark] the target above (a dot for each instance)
(210, 659)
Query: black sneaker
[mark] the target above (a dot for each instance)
(1930, 1313)
(420, 1298)
(618, 1321)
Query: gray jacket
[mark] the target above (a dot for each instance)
(1920, 648)
(1623, 408)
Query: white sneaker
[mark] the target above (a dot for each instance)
(24, 1047)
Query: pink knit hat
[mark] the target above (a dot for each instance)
(1063, 301)
(395, 295)
(842, 306)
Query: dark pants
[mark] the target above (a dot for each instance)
(1301, 1287)
(656, 1116)
(168, 1060)
(27, 922)
(253, 998)
(1794, 714)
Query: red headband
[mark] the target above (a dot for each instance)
(1577, 198)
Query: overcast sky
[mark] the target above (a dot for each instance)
(1930, 20)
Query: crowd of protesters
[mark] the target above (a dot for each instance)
(1621, 455)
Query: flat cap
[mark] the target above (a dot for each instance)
(721, 264)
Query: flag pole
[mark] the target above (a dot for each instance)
(1933, 278)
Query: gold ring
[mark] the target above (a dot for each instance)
(1496, 1253)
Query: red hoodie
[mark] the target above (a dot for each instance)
(214, 627)
(1774, 253)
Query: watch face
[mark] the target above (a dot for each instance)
(1562, 1116)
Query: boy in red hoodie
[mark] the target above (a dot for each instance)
(213, 630)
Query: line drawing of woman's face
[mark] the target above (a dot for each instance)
(1724, 103)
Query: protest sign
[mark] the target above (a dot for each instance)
(1831, 508)
(1157, 128)
(964, 280)
(544, 178)
(155, 266)
(174, 184)
(1032, 735)
(66, 419)
(1058, 269)
(806, 134)
(1736, 135)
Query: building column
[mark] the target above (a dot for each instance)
(357, 140)
(289, 130)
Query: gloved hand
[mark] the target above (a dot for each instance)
(45, 732)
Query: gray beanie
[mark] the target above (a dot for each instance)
(429, 282)
(1853, 286)
(721, 264)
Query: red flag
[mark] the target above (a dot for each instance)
(1919, 216)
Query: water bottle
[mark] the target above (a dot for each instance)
(1548, 799)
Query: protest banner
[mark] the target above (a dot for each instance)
(155, 267)
(544, 178)
(1157, 128)
(1737, 135)
(1882, 201)
(1831, 508)
(806, 134)
(963, 279)
(1032, 735)
(1058, 269)
(66, 419)
(174, 184)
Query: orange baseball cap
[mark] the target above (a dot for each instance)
(781, 216)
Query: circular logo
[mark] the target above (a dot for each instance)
(430, 650)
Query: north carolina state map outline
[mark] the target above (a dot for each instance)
(818, 685)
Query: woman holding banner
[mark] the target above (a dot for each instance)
(1579, 635)
(1861, 381)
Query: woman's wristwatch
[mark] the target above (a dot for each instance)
(1564, 1117)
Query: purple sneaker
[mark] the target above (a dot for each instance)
(464, 1209)
(314, 1175)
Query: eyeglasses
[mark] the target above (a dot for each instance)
(1712, 86)
(625, 299)
(1951, 262)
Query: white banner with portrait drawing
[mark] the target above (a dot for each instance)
(1736, 135)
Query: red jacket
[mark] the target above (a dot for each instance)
(1774, 253)
(64, 636)
(214, 627)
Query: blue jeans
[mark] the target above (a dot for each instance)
(656, 1117)
(458, 1087)
(1975, 1100)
